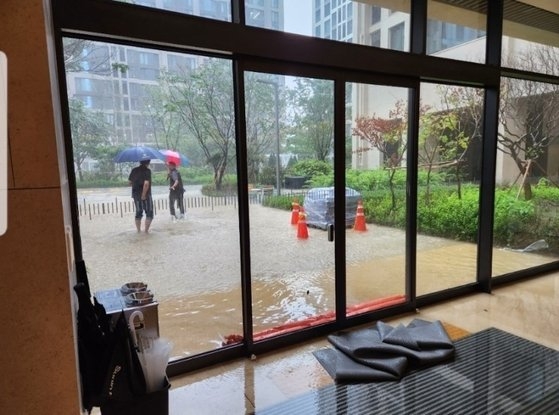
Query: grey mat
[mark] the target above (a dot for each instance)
(384, 352)
(493, 372)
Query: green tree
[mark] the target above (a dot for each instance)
(261, 133)
(81, 55)
(528, 125)
(199, 105)
(166, 125)
(447, 131)
(204, 101)
(313, 119)
(387, 135)
(90, 134)
(460, 119)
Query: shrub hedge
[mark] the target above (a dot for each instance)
(442, 210)
(445, 212)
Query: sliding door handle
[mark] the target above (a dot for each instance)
(330, 229)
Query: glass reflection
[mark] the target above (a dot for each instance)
(211, 9)
(456, 30)
(530, 37)
(376, 23)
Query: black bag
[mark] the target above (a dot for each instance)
(125, 387)
(111, 373)
(124, 377)
(155, 403)
(94, 347)
(109, 365)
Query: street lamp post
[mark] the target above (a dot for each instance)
(276, 100)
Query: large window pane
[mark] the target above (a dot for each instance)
(531, 37)
(449, 170)
(376, 170)
(376, 23)
(457, 31)
(211, 9)
(290, 135)
(527, 192)
(123, 97)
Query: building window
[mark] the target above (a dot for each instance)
(397, 37)
(275, 20)
(375, 14)
(375, 39)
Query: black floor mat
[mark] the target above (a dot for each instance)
(493, 372)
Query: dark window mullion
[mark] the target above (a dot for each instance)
(340, 202)
(494, 32)
(418, 29)
(489, 148)
(238, 11)
(411, 194)
(242, 190)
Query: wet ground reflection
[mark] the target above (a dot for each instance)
(193, 268)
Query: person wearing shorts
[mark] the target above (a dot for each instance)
(140, 180)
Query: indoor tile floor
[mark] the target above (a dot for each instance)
(529, 309)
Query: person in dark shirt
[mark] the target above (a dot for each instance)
(176, 191)
(140, 180)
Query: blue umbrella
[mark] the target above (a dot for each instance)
(138, 153)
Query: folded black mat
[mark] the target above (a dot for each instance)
(384, 352)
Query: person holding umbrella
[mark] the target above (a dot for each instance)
(176, 190)
(140, 180)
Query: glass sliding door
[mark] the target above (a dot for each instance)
(376, 180)
(526, 196)
(449, 171)
(289, 133)
(124, 98)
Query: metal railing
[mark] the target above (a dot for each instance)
(123, 206)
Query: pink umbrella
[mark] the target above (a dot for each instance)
(172, 156)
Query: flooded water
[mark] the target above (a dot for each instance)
(193, 268)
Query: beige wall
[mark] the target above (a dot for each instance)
(37, 357)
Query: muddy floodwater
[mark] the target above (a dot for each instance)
(193, 268)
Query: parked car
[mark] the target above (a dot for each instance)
(319, 206)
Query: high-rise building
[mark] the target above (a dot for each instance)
(116, 79)
(333, 19)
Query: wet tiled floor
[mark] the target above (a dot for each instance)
(529, 309)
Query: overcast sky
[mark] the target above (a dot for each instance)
(297, 16)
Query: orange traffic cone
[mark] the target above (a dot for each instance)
(360, 224)
(302, 230)
(294, 212)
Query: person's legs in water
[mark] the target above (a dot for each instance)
(148, 206)
(180, 201)
(172, 198)
(139, 213)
